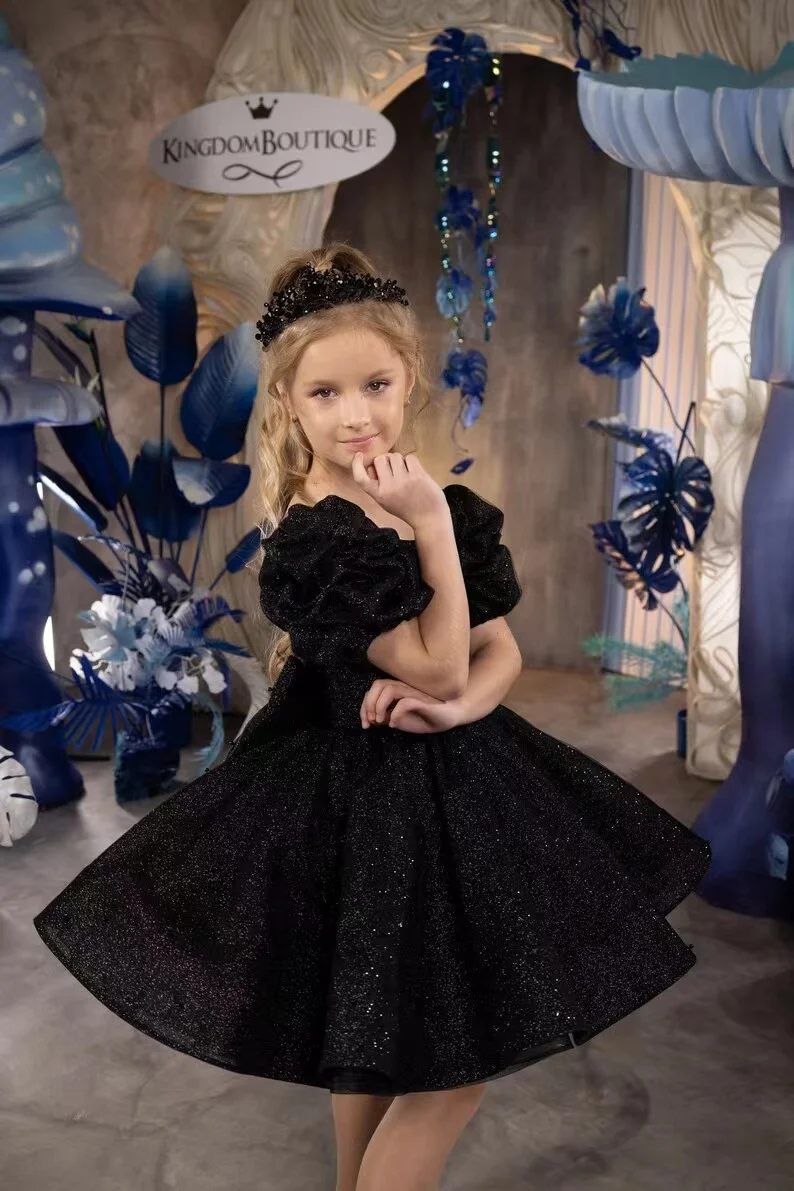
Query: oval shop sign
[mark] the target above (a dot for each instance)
(271, 143)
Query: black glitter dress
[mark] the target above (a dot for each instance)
(381, 911)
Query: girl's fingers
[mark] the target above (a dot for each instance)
(382, 702)
(360, 473)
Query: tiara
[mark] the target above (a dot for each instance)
(314, 290)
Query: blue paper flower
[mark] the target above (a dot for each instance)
(453, 293)
(457, 67)
(616, 329)
(459, 209)
(472, 408)
(467, 371)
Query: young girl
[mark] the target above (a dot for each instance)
(393, 887)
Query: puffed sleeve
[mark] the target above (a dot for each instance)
(491, 583)
(335, 581)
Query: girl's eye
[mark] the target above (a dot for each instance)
(382, 384)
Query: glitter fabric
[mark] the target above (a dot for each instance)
(319, 289)
(371, 910)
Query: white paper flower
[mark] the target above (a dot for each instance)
(167, 679)
(143, 608)
(188, 684)
(213, 677)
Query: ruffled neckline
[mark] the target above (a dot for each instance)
(355, 510)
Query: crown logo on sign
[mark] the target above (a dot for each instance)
(261, 111)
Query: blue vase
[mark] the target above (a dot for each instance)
(680, 725)
(146, 765)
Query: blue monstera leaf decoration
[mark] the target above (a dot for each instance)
(669, 509)
(617, 328)
(633, 571)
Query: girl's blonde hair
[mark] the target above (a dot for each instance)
(284, 455)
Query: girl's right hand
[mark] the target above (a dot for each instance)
(400, 485)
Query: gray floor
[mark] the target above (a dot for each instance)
(694, 1092)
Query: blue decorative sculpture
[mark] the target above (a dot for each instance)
(708, 120)
(40, 269)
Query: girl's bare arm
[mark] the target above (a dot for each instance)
(431, 652)
(493, 669)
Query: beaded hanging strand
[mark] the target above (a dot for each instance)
(493, 95)
(460, 66)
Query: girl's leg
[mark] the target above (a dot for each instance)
(356, 1117)
(411, 1145)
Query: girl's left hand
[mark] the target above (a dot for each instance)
(411, 709)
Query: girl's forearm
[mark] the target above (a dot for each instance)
(444, 624)
(492, 671)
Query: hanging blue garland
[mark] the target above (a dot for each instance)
(458, 68)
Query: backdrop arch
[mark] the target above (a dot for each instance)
(370, 53)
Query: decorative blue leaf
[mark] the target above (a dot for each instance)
(160, 508)
(459, 210)
(616, 329)
(169, 575)
(219, 397)
(209, 611)
(244, 551)
(670, 499)
(75, 718)
(136, 572)
(34, 400)
(208, 483)
(161, 340)
(98, 459)
(616, 426)
(67, 358)
(73, 497)
(456, 67)
(632, 572)
(206, 756)
(472, 408)
(453, 293)
(91, 566)
(226, 647)
(466, 370)
(462, 465)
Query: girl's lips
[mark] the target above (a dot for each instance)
(359, 443)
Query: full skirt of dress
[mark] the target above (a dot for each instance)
(377, 911)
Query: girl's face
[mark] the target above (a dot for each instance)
(350, 385)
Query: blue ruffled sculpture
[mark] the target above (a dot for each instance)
(708, 120)
(40, 269)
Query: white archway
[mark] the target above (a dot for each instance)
(369, 51)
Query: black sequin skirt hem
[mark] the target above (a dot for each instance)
(344, 1080)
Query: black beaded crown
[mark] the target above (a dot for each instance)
(314, 290)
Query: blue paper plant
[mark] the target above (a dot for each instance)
(150, 646)
(665, 505)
